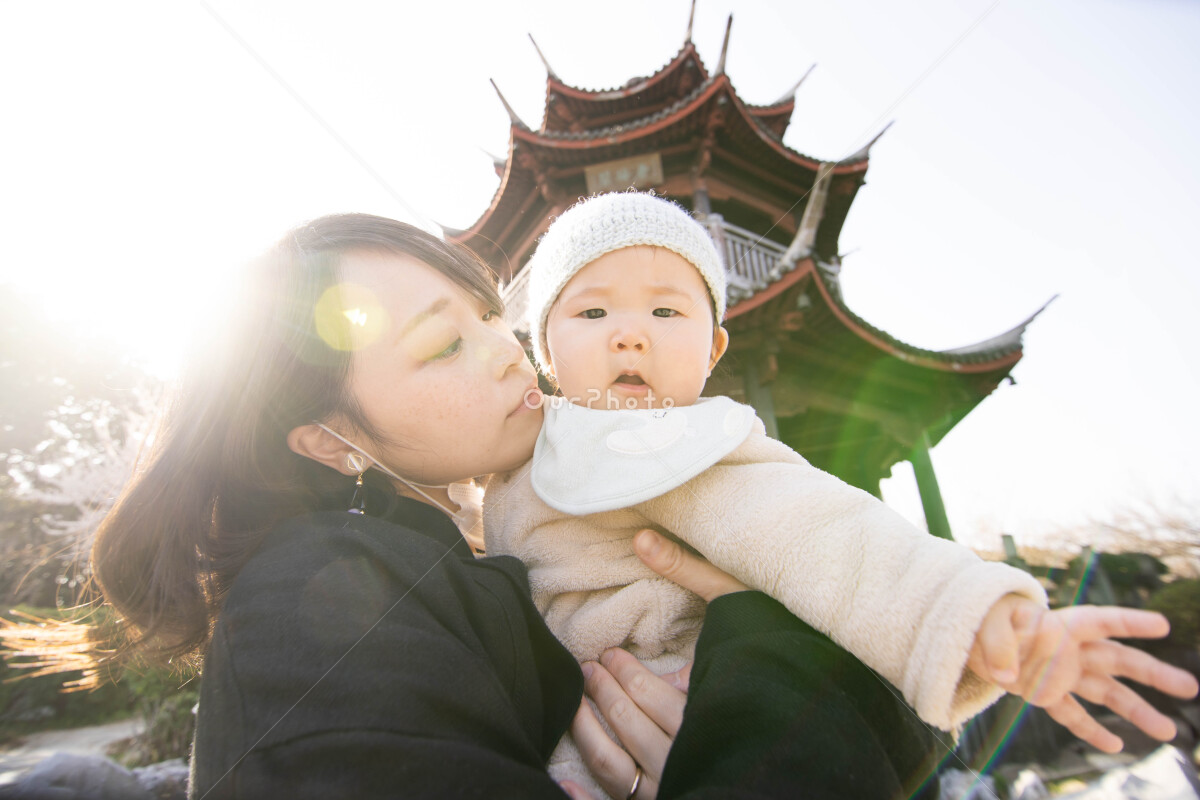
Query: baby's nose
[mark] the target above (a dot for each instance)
(630, 340)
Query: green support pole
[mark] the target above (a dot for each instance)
(759, 396)
(931, 496)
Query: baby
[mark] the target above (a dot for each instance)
(626, 294)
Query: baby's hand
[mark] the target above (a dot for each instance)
(1049, 656)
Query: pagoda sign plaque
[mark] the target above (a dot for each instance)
(639, 172)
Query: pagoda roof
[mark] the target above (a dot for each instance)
(997, 353)
(718, 88)
(677, 110)
(745, 136)
(774, 118)
(778, 115)
(572, 107)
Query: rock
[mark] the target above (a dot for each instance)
(1028, 786)
(166, 780)
(957, 784)
(1164, 775)
(36, 714)
(65, 776)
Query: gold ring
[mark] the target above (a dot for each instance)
(637, 781)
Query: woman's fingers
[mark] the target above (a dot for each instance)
(675, 564)
(645, 742)
(656, 697)
(575, 791)
(611, 766)
(681, 678)
(643, 710)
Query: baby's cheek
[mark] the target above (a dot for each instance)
(572, 387)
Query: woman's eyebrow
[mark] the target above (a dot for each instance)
(436, 307)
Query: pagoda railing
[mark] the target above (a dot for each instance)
(750, 259)
(515, 295)
(749, 262)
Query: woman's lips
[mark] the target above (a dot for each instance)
(531, 399)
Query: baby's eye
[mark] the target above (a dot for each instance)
(665, 312)
(594, 313)
(454, 347)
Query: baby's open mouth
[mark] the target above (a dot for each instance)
(632, 380)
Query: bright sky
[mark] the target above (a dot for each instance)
(1039, 149)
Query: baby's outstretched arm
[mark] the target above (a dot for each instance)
(1047, 657)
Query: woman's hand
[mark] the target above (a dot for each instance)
(644, 710)
(690, 571)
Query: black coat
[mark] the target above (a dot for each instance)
(360, 657)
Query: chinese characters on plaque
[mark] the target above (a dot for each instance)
(639, 172)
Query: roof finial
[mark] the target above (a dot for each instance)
(1006, 342)
(724, 48)
(497, 161)
(691, 16)
(863, 152)
(511, 114)
(792, 91)
(549, 69)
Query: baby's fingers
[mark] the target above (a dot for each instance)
(1105, 691)
(1068, 713)
(1091, 623)
(997, 641)
(1113, 658)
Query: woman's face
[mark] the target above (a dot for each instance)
(437, 372)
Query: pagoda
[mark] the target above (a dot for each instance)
(849, 397)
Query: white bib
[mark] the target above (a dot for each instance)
(588, 460)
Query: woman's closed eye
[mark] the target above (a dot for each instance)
(448, 352)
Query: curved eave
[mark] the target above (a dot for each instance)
(774, 118)
(601, 95)
(637, 129)
(477, 228)
(778, 146)
(959, 362)
(784, 109)
(1009, 340)
(963, 361)
(655, 92)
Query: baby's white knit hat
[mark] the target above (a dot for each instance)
(604, 223)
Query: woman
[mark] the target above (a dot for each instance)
(366, 367)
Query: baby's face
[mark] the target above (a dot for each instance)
(634, 329)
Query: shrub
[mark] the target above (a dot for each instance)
(1179, 602)
(31, 702)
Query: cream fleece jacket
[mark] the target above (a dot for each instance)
(905, 603)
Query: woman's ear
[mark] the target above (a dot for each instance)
(312, 442)
(720, 345)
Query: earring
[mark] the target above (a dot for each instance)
(358, 503)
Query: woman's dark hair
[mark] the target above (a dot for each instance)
(220, 474)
